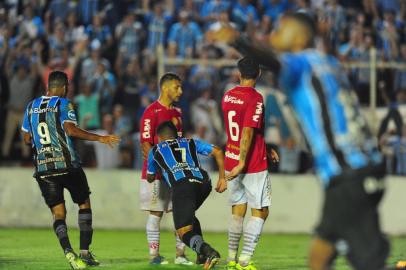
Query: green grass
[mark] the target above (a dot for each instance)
(38, 249)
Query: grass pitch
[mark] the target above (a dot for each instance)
(38, 249)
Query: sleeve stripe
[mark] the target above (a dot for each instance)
(70, 121)
(24, 129)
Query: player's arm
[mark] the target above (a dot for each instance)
(245, 145)
(145, 147)
(26, 127)
(218, 155)
(73, 130)
(147, 130)
(151, 167)
(27, 138)
(263, 55)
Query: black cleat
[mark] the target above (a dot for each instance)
(213, 257)
(200, 259)
(89, 259)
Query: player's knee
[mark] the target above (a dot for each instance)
(59, 212)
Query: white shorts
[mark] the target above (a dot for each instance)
(251, 188)
(155, 196)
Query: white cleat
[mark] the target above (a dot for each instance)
(182, 260)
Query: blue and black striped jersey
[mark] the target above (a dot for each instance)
(53, 148)
(177, 159)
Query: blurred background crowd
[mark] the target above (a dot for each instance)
(109, 51)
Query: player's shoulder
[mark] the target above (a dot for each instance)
(177, 109)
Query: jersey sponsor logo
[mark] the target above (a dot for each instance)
(49, 160)
(38, 110)
(71, 115)
(232, 155)
(147, 129)
(195, 181)
(258, 112)
(48, 149)
(233, 100)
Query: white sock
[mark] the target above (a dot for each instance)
(234, 235)
(251, 236)
(180, 246)
(153, 232)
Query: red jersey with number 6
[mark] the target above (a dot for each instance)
(244, 107)
(155, 114)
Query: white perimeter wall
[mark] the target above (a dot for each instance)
(296, 203)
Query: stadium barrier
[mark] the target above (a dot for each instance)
(296, 203)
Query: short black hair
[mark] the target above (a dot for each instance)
(248, 67)
(306, 19)
(57, 79)
(167, 129)
(170, 76)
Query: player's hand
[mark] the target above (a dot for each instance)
(221, 185)
(274, 156)
(110, 140)
(235, 172)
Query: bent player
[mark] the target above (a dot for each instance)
(345, 152)
(155, 197)
(246, 161)
(177, 160)
(49, 123)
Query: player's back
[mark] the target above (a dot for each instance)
(178, 159)
(53, 149)
(244, 107)
(328, 111)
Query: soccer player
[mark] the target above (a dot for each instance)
(246, 162)
(176, 159)
(49, 125)
(155, 197)
(345, 152)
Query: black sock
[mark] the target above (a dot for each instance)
(196, 227)
(61, 231)
(195, 242)
(85, 227)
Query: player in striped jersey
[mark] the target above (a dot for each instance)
(176, 159)
(48, 125)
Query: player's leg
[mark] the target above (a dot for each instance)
(322, 254)
(76, 183)
(238, 201)
(187, 197)
(151, 201)
(52, 191)
(258, 192)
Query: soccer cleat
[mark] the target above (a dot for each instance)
(182, 260)
(200, 259)
(74, 261)
(401, 265)
(231, 265)
(89, 259)
(158, 260)
(250, 266)
(213, 258)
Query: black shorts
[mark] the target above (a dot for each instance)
(74, 181)
(187, 196)
(350, 219)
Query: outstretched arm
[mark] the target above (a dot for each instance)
(74, 131)
(218, 155)
(265, 56)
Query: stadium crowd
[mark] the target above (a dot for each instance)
(108, 49)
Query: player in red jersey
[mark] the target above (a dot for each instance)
(246, 164)
(155, 197)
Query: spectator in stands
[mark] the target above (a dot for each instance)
(400, 75)
(21, 74)
(243, 13)
(57, 42)
(31, 25)
(73, 31)
(123, 126)
(184, 37)
(203, 76)
(87, 103)
(211, 11)
(128, 34)
(105, 85)
(388, 34)
(106, 157)
(59, 9)
(336, 17)
(274, 8)
(87, 9)
(99, 31)
(90, 63)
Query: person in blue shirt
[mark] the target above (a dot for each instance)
(48, 126)
(345, 152)
(177, 161)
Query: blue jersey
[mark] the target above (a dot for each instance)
(177, 159)
(53, 148)
(328, 112)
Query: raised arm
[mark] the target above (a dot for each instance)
(263, 55)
